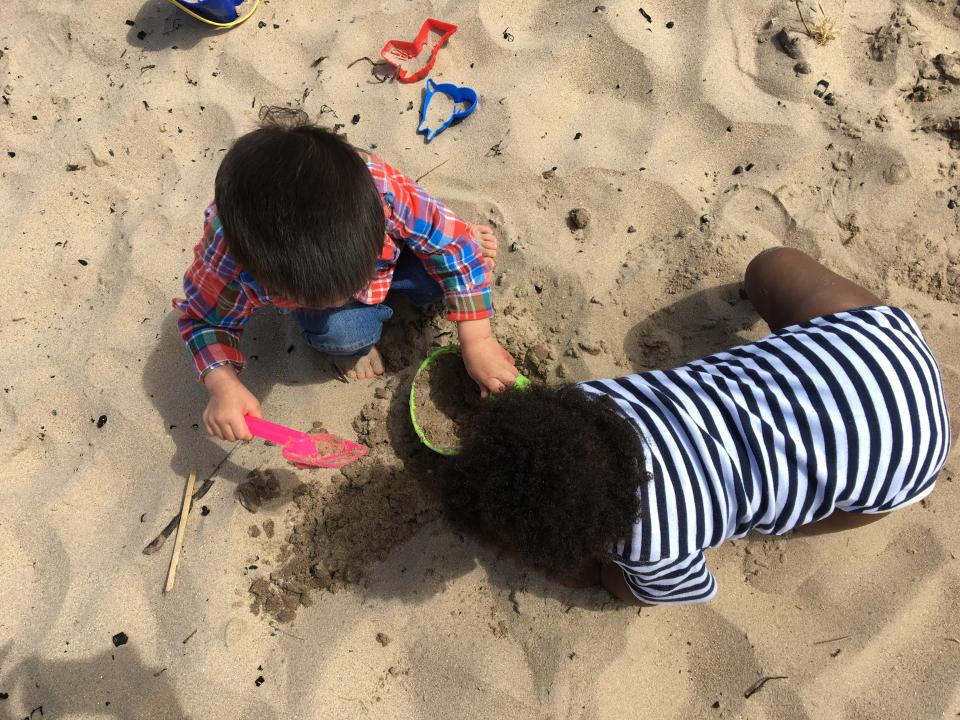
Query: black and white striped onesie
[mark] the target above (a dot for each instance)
(844, 411)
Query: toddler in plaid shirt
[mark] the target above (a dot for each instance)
(307, 223)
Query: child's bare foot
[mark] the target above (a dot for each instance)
(365, 367)
(488, 245)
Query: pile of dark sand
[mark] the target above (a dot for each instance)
(356, 518)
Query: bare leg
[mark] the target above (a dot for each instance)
(787, 286)
(838, 521)
(611, 577)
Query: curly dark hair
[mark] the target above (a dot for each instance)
(300, 211)
(549, 474)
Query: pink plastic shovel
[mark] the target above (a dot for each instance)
(306, 450)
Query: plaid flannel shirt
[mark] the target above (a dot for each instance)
(220, 296)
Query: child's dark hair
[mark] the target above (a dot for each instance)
(300, 210)
(550, 474)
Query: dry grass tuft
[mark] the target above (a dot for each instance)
(823, 29)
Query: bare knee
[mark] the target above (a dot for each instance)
(769, 265)
(787, 286)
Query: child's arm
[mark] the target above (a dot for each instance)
(451, 255)
(671, 581)
(611, 577)
(214, 313)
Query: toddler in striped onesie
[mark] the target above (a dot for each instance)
(831, 421)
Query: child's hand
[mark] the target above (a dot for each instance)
(229, 402)
(487, 362)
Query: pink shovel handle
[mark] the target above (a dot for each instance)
(267, 430)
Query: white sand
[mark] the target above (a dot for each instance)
(856, 184)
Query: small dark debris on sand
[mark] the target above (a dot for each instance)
(758, 685)
(496, 150)
(579, 218)
(383, 639)
(790, 43)
(101, 421)
(120, 639)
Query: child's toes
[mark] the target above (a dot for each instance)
(359, 371)
(366, 367)
(376, 362)
(485, 237)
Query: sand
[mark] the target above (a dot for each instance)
(445, 396)
(692, 139)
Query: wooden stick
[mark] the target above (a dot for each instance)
(178, 543)
(167, 531)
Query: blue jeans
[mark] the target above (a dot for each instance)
(352, 330)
